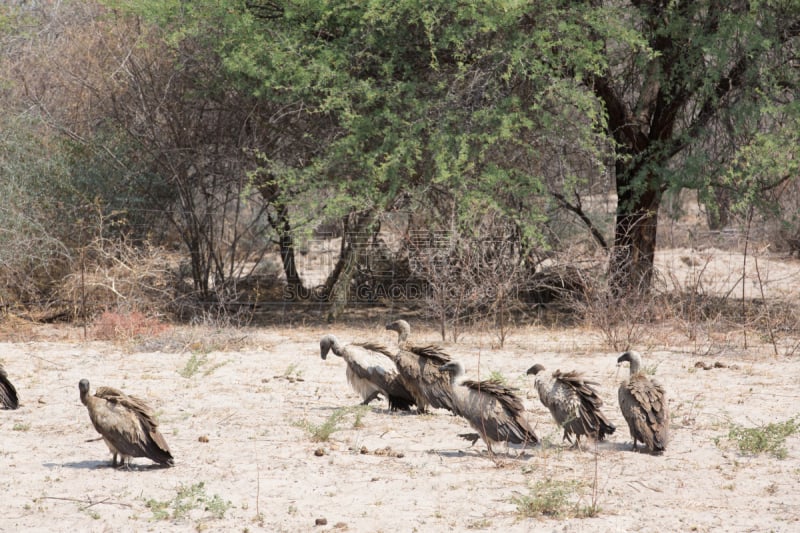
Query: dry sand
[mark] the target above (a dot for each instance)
(259, 464)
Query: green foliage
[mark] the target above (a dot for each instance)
(193, 365)
(547, 498)
(770, 438)
(322, 432)
(187, 499)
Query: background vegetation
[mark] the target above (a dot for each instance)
(482, 159)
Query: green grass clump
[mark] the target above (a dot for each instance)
(550, 498)
(322, 432)
(186, 499)
(770, 438)
(193, 365)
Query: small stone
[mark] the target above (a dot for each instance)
(319, 452)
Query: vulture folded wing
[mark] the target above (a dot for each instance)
(8, 394)
(496, 410)
(584, 409)
(373, 363)
(644, 407)
(436, 385)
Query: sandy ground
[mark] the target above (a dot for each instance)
(259, 470)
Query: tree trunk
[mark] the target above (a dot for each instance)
(282, 226)
(632, 257)
(357, 232)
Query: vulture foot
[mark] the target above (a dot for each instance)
(371, 397)
(472, 437)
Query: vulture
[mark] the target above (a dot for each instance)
(8, 394)
(419, 368)
(491, 408)
(574, 403)
(127, 425)
(643, 403)
(370, 372)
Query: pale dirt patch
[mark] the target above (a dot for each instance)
(248, 404)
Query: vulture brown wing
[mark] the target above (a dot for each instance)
(432, 353)
(374, 363)
(437, 386)
(591, 420)
(8, 394)
(498, 411)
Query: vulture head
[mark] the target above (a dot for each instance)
(454, 368)
(535, 369)
(402, 328)
(326, 343)
(83, 387)
(634, 358)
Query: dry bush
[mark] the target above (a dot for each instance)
(470, 278)
(115, 326)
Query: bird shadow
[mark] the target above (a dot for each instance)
(94, 465)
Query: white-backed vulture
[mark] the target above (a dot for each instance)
(419, 368)
(574, 403)
(643, 403)
(126, 424)
(370, 372)
(8, 394)
(491, 408)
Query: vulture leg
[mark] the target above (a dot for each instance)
(374, 395)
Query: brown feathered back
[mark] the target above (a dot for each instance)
(574, 403)
(419, 369)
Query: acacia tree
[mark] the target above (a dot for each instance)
(679, 109)
(407, 99)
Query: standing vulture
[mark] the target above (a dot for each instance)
(419, 367)
(127, 425)
(644, 405)
(8, 394)
(574, 403)
(491, 408)
(370, 372)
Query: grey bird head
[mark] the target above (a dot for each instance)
(535, 369)
(83, 387)
(632, 357)
(402, 328)
(454, 368)
(325, 344)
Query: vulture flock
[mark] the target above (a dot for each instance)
(422, 377)
(426, 376)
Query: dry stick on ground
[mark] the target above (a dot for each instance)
(88, 501)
